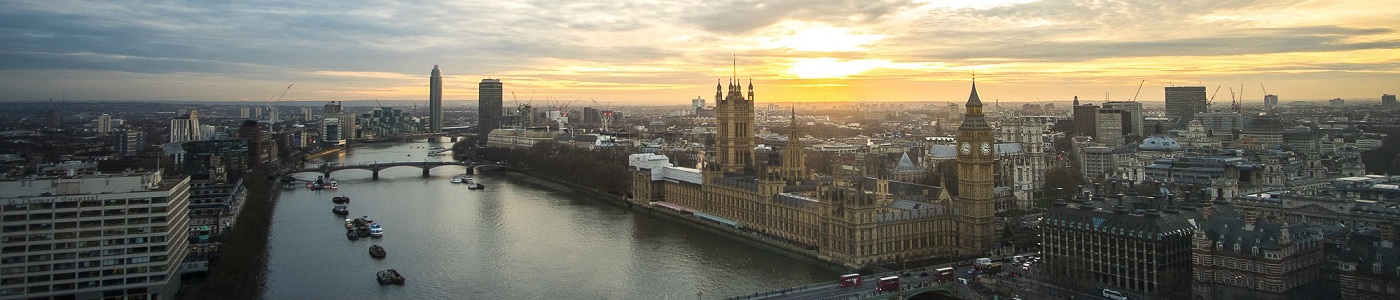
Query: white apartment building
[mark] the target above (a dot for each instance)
(105, 236)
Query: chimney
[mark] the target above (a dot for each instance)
(1250, 217)
(1387, 235)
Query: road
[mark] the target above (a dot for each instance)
(911, 278)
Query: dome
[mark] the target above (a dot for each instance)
(1159, 143)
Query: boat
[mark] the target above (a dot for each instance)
(334, 184)
(349, 223)
(376, 231)
(366, 220)
(475, 186)
(340, 199)
(456, 180)
(377, 251)
(341, 209)
(390, 276)
(350, 234)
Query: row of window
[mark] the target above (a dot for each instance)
(49, 215)
(80, 285)
(113, 232)
(84, 203)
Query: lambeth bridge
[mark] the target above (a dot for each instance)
(375, 167)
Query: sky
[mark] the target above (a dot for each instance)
(667, 52)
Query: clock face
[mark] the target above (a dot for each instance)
(966, 148)
(986, 148)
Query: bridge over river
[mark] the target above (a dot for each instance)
(375, 167)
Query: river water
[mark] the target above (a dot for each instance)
(520, 238)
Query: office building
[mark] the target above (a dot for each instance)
(1220, 122)
(245, 112)
(1085, 119)
(185, 128)
(489, 108)
(1141, 253)
(104, 124)
(1132, 117)
(435, 101)
(129, 142)
(110, 236)
(1184, 102)
(1110, 127)
(1388, 101)
(1270, 101)
(387, 122)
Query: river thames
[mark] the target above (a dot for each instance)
(520, 238)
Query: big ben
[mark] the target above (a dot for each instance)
(975, 158)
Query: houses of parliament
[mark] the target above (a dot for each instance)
(854, 220)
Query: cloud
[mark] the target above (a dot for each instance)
(740, 16)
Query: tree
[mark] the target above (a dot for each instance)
(1062, 181)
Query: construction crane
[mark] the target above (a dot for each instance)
(1235, 106)
(1261, 87)
(271, 121)
(1212, 97)
(1232, 96)
(1139, 90)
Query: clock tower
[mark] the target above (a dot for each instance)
(976, 155)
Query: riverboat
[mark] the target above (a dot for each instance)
(341, 209)
(350, 234)
(340, 199)
(390, 276)
(375, 230)
(377, 251)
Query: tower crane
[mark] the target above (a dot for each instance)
(1212, 97)
(1139, 90)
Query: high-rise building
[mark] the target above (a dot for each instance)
(53, 119)
(1183, 102)
(489, 108)
(591, 116)
(1110, 126)
(1143, 253)
(306, 114)
(1388, 101)
(185, 128)
(734, 131)
(1270, 101)
(129, 142)
(975, 161)
(113, 236)
(1132, 116)
(1085, 118)
(104, 124)
(331, 107)
(435, 100)
(245, 112)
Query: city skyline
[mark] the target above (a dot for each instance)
(642, 53)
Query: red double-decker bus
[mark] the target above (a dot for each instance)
(849, 280)
(944, 274)
(888, 284)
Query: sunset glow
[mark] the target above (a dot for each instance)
(664, 53)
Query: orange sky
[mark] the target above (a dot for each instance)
(666, 53)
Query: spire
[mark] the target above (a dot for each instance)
(794, 117)
(973, 100)
(718, 95)
(750, 89)
(1076, 100)
(436, 73)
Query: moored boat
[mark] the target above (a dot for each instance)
(340, 199)
(375, 230)
(377, 251)
(341, 209)
(350, 234)
(389, 276)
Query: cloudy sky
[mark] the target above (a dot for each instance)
(664, 52)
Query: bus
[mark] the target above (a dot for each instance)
(944, 274)
(888, 284)
(849, 280)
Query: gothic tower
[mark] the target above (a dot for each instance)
(734, 135)
(794, 163)
(975, 159)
